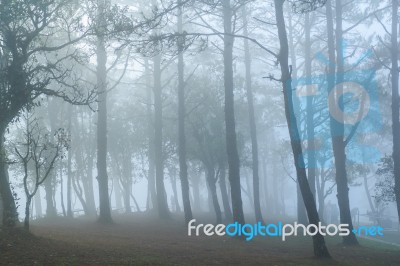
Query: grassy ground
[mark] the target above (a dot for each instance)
(141, 239)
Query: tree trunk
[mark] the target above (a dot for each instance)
(311, 164)
(118, 195)
(27, 212)
(211, 181)
(181, 127)
(196, 193)
(79, 193)
(371, 204)
(127, 199)
(102, 178)
(69, 167)
(50, 183)
(38, 204)
(62, 191)
(395, 104)
(150, 131)
(337, 128)
(224, 193)
(88, 186)
(48, 188)
(231, 142)
(320, 194)
(301, 208)
(10, 215)
(162, 204)
(265, 181)
(87, 181)
(252, 122)
(320, 249)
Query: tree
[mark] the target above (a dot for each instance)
(28, 32)
(320, 249)
(41, 153)
(252, 122)
(101, 73)
(337, 127)
(231, 141)
(395, 102)
(181, 125)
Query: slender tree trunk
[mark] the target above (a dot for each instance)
(126, 182)
(172, 176)
(311, 165)
(150, 131)
(224, 193)
(371, 204)
(134, 201)
(395, 104)
(337, 128)
(79, 193)
(69, 167)
(87, 181)
(265, 181)
(301, 209)
(62, 191)
(102, 178)
(181, 127)
(196, 193)
(162, 205)
(253, 128)
(50, 183)
(211, 181)
(231, 142)
(118, 195)
(320, 195)
(88, 186)
(320, 249)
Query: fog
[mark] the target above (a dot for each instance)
(127, 113)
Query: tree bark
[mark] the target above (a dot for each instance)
(224, 193)
(395, 104)
(27, 213)
(183, 173)
(196, 193)
(311, 165)
(337, 127)
(10, 215)
(61, 192)
(88, 179)
(320, 249)
(211, 181)
(231, 142)
(102, 178)
(162, 205)
(150, 131)
(38, 204)
(69, 167)
(252, 122)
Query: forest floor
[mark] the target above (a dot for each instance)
(141, 239)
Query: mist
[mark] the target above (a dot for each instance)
(131, 130)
